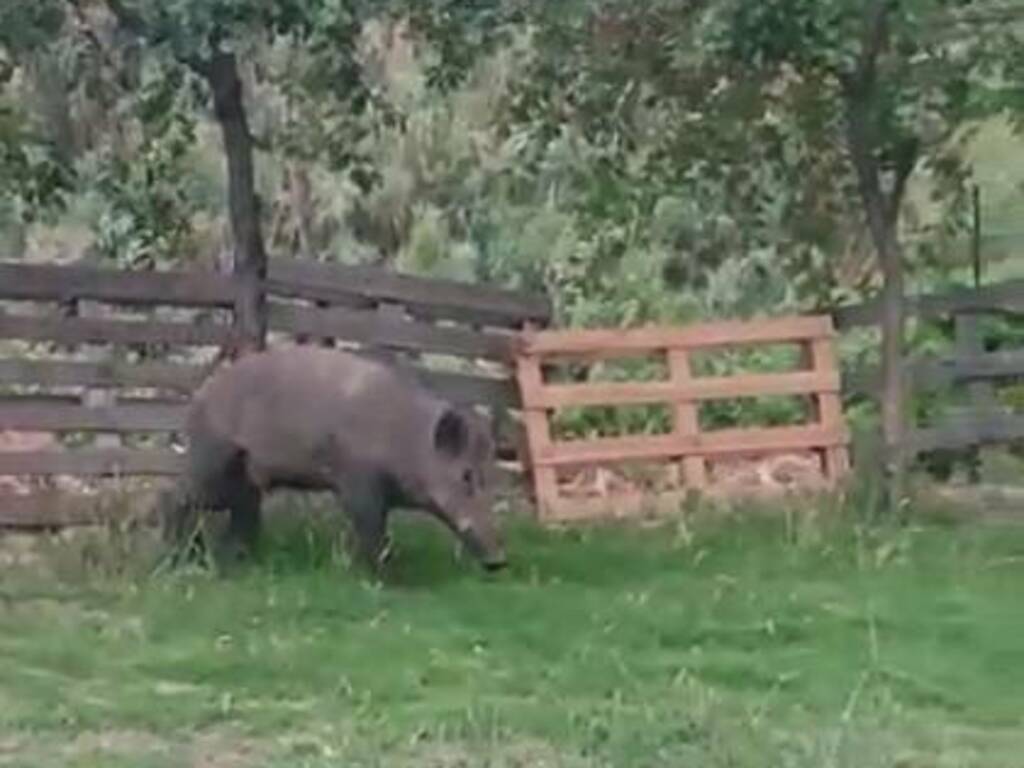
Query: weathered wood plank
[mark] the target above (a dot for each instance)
(58, 373)
(936, 374)
(388, 332)
(610, 343)
(91, 462)
(33, 414)
(1006, 297)
(348, 285)
(66, 510)
(828, 406)
(538, 431)
(964, 431)
(36, 282)
(692, 389)
(91, 331)
(686, 422)
(731, 442)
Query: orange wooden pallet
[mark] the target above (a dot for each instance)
(687, 450)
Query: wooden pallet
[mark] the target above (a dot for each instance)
(687, 450)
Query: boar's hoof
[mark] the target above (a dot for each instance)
(492, 566)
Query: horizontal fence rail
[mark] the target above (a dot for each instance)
(363, 287)
(32, 282)
(687, 447)
(968, 366)
(1005, 297)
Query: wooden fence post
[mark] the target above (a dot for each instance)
(538, 434)
(827, 407)
(100, 398)
(970, 345)
(687, 419)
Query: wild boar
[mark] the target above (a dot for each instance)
(314, 418)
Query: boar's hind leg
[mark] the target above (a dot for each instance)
(365, 503)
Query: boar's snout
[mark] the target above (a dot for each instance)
(486, 544)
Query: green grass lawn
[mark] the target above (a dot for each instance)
(769, 642)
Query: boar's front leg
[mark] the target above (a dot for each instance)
(364, 500)
(244, 526)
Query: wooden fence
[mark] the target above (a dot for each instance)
(969, 370)
(687, 450)
(106, 360)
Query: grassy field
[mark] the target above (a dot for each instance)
(775, 641)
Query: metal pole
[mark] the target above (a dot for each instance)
(976, 234)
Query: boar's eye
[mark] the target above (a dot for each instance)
(467, 481)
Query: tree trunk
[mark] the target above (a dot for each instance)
(882, 208)
(302, 208)
(883, 218)
(49, 91)
(893, 394)
(250, 258)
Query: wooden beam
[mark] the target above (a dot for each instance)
(372, 329)
(1006, 297)
(66, 510)
(728, 442)
(936, 374)
(969, 430)
(693, 389)
(610, 343)
(423, 297)
(90, 331)
(37, 282)
(110, 374)
(46, 416)
(91, 462)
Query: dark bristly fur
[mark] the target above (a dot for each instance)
(310, 418)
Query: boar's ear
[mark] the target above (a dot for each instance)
(451, 434)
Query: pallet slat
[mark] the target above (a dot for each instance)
(609, 343)
(694, 389)
(726, 442)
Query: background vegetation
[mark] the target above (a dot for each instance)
(669, 161)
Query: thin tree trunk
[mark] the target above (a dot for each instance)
(302, 208)
(250, 258)
(894, 420)
(883, 218)
(49, 91)
(883, 212)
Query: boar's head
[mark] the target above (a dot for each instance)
(460, 483)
